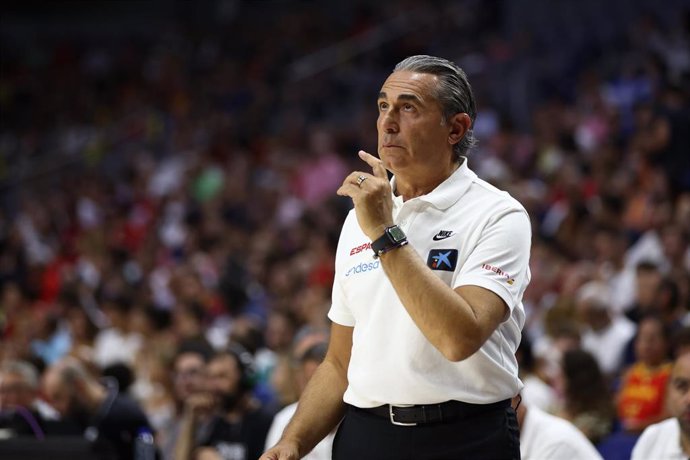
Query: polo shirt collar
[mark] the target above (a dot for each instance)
(448, 192)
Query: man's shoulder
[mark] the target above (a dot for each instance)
(658, 438)
(126, 408)
(491, 195)
(668, 427)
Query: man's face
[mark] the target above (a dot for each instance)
(411, 128)
(224, 380)
(58, 394)
(650, 343)
(189, 374)
(679, 393)
(14, 391)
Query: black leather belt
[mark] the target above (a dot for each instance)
(430, 413)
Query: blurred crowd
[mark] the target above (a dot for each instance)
(169, 197)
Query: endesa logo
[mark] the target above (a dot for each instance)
(360, 248)
(363, 267)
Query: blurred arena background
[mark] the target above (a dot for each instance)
(168, 169)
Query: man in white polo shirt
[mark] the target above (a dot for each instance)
(426, 308)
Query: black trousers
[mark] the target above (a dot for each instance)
(491, 435)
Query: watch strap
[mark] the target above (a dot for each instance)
(388, 241)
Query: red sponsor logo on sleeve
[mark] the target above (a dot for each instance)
(509, 279)
(360, 248)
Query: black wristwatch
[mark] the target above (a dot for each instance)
(393, 237)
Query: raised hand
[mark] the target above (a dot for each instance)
(371, 195)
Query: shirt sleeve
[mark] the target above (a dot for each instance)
(644, 446)
(499, 261)
(339, 312)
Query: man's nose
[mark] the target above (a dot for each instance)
(389, 122)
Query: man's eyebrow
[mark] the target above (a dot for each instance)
(402, 97)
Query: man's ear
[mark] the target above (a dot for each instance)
(459, 124)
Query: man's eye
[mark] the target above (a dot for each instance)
(408, 107)
(383, 105)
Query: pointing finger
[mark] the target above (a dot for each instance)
(376, 164)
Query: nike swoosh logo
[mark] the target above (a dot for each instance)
(440, 237)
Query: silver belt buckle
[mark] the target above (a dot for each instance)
(392, 415)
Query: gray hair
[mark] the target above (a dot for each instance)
(453, 92)
(25, 370)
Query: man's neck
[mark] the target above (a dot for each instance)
(413, 187)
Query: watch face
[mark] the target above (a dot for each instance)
(396, 234)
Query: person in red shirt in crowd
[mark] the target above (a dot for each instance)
(640, 400)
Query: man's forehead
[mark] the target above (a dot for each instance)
(681, 368)
(406, 82)
(222, 362)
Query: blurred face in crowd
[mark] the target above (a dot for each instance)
(223, 380)
(648, 282)
(186, 324)
(678, 398)
(15, 391)
(189, 371)
(59, 394)
(650, 344)
(279, 331)
(593, 313)
(412, 132)
(70, 400)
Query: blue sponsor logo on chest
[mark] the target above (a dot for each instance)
(442, 259)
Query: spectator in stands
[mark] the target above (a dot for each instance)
(610, 244)
(306, 360)
(188, 321)
(99, 411)
(239, 425)
(647, 280)
(670, 439)
(587, 402)
(536, 391)
(640, 399)
(546, 437)
(21, 409)
(82, 333)
(606, 333)
(189, 374)
(117, 343)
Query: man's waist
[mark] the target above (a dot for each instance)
(419, 414)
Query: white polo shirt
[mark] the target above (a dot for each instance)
(546, 437)
(469, 233)
(660, 441)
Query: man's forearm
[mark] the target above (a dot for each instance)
(185, 439)
(447, 319)
(320, 408)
